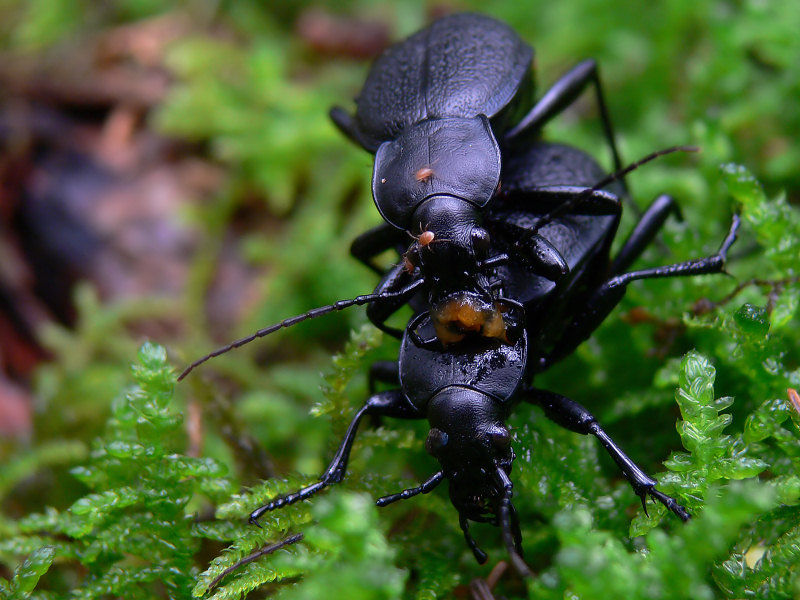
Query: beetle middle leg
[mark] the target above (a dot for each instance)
(573, 416)
(644, 232)
(387, 404)
(562, 94)
(608, 295)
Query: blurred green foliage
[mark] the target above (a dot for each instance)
(110, 498)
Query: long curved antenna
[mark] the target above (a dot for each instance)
(311, 314)
(608, 180)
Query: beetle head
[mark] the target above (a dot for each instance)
(469, 438)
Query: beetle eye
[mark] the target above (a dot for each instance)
(480, 241)
(436, 440)
(500, 437)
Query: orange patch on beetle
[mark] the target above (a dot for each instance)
(458, 317)
(423, 174)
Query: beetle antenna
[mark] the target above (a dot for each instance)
(611, 178)
(311, 314)
(633, 166)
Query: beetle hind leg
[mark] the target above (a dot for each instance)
(573, 416)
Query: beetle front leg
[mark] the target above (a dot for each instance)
(573, 416)
(379, 312)
(388, 404)
(365, 248)
(374, 241)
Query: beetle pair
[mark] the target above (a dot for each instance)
(511, 280)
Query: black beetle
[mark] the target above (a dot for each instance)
(439, 109)
(554, 194)
(467, 393)
(467, 389)
(515, 282)
(464, 78)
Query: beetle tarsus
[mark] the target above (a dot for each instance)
(671, 504)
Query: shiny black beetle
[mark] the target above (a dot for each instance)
(431, 108)
(514, 281)
(467, 389)
(439, 110)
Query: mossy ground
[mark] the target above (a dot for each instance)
(114, 497)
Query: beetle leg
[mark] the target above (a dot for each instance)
(345, 123)
(608, 295)
(561, 95)
(426, 487)
(365, 248)
(645, 231)
(378, 312)
(380, 238)
(550, 198)
(573, 416)
(412, 329)
(480, 555)
(387, 404)
(543, 256)
(385, 371)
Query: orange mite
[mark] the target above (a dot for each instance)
(794, 398)
(424, 174)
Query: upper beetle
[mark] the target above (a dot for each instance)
(438, 110)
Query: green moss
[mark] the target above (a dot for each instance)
(113, 495)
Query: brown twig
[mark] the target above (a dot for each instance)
(292, 539)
